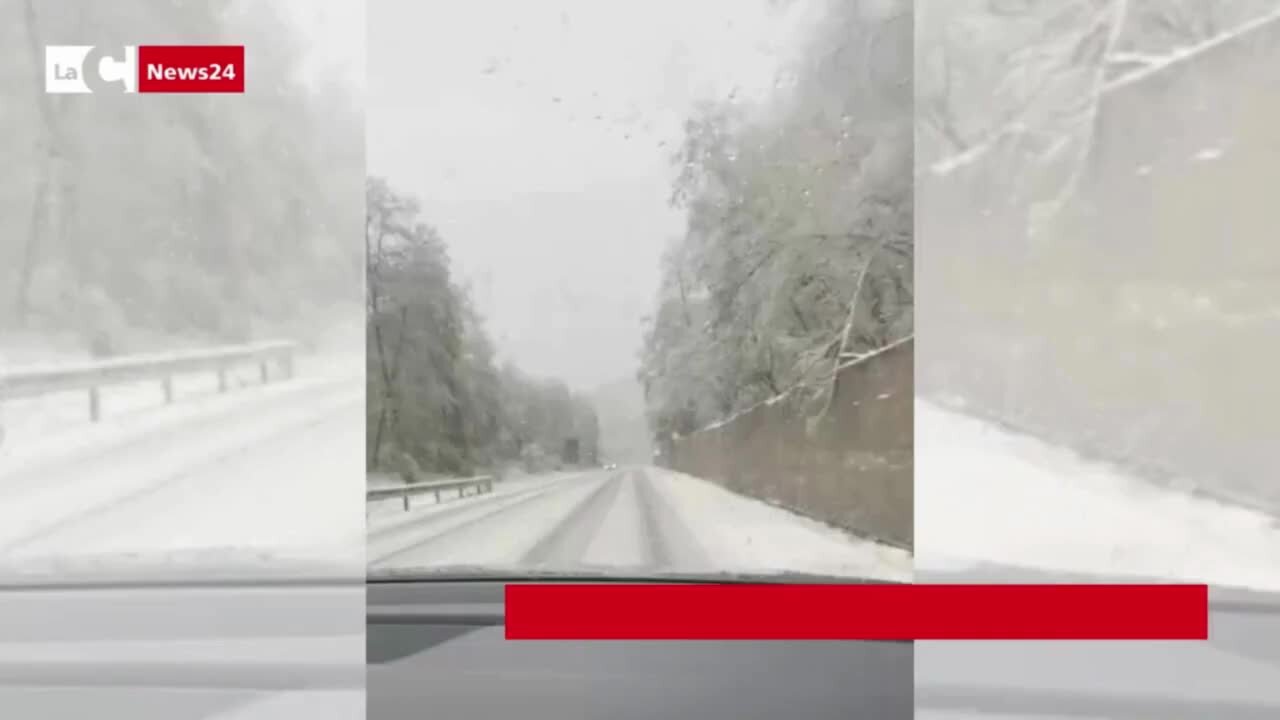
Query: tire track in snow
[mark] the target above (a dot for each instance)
(160, 427)
(520, 502)
(672, 545)
(110, 518)
(292, 493)
(436, 513)
(173, 470)
(567, 542)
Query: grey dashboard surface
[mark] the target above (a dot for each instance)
(437, 650)
(1234, 675)
(170, 652)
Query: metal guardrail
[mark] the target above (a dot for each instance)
(481, 483)
(25, 382)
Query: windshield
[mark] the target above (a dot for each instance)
(1100, 338)
(640, 289)
(180, 323)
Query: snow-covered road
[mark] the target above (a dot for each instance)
(280, 468)
(638, 521)
(277, 468)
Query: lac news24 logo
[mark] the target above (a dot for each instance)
(144, 69)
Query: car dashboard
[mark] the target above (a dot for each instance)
(159, 651)
(437, 649)
(1234, 675)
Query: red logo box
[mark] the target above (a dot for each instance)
(191, 69)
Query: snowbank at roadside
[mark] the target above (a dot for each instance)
(987, 494)
(743, 534)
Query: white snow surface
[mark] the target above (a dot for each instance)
(495, 528)
(276, 468)
(984, 494)
(620, 538)
(749, 535)
(638, 521)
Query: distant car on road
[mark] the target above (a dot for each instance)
(611, 466)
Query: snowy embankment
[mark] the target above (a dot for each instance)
(985, 494)
(748, 535)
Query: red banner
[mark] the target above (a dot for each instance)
(856, 612)
(191, 69)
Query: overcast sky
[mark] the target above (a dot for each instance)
(334, 34)
(537, 136)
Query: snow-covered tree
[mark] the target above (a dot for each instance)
(435, 393)
(788, 206)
